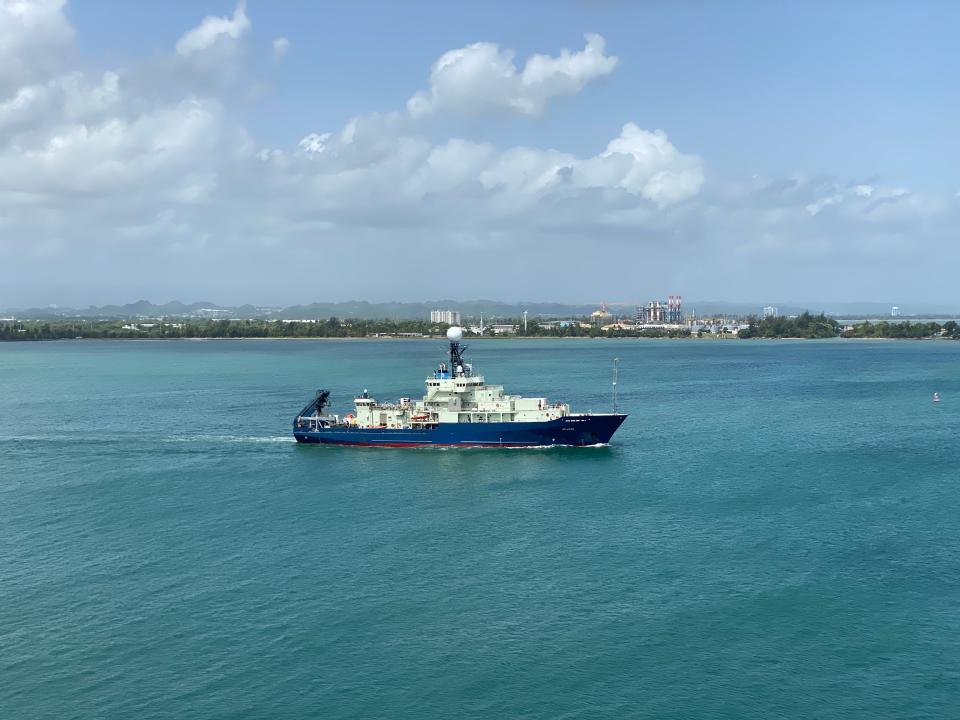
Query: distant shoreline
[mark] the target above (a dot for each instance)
(801, 327)
(442, 338)
(355, 339)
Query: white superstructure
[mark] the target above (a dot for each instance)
(455, 395)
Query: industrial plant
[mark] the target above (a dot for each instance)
(669, 311)
(669, 316)
(655, 316)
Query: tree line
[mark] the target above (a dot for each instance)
(121, 329)
(328, 328)
(904, 329)
(820, 326)
(802, 326)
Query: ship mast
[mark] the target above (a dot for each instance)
(616, 374)
(455, 335)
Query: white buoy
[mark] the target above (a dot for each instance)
(936, 397)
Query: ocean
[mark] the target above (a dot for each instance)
(773, 533)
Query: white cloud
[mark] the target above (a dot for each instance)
(482, 78)
(315, 142)
(280, 47)
(23, 108)
(644, 163)
(35, 40)
(525, 171)
(212, 29)
(79, 136)
(867, 201)
(33, 108)
(103, 170)
(116, 155)
(636, 167)
(819, 204)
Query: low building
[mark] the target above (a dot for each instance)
(554, 324)
(503, 329)
(658, 326)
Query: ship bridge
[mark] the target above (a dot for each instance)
(471, 383)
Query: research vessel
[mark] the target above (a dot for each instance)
(459, 409)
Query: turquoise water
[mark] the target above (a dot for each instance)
(773, 533)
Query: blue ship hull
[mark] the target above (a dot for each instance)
(573, 430)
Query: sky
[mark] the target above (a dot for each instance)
(290, 152)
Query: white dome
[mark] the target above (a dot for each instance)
(455, 334)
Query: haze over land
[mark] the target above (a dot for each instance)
(279, 153)
(469, 309)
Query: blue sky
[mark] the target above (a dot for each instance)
(808, 151)
(753, 86)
